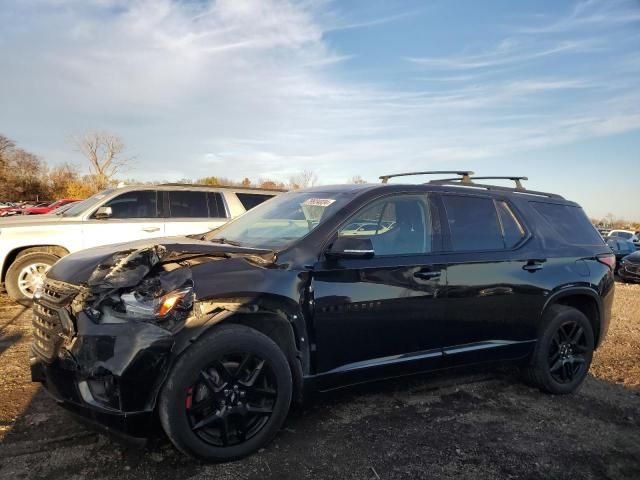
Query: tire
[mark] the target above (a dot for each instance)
(563, 352)
(216, 398)
(18, 284)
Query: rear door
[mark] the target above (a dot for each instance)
(493, 280)
(190, 212)
(134, 216)
(383, 314)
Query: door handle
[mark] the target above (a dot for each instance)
(533, 265)
(427, 274)
(150, 229)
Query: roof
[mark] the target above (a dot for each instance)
(447, 185)
(191, 186)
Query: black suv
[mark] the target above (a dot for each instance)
(316, 289)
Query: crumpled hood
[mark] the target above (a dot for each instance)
(123, 264)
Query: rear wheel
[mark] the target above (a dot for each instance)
(227, 396)
(563, 352)
(26, 274)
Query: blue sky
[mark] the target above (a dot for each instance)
(266, 88)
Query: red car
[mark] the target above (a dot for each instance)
(48, 208)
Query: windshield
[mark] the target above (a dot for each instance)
(79, 208)
(281, 220)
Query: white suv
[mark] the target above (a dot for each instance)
(29, 245)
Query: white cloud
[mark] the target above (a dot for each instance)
(251, 88)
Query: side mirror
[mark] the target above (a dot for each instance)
(103, 213)
(351, 247)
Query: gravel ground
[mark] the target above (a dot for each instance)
(483, 424)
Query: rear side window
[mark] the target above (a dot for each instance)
(141, 204)
(185, 204)
(250, 200)
(473, 223)
(569, 223)
(216, 205)
(511, 228)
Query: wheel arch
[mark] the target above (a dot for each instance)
(278, 319)
(16, 253)
(584, 299)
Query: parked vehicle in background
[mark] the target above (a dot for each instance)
(629, 269)
(621, 248)
(30, 245)
(47, 207)
(626, 235)
(315, 290)
(9, 210)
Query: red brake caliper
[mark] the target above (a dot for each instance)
(189, 398)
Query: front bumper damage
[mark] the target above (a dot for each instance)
(108, 364)
(97, 362)
(110, 374)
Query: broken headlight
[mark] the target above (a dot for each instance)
(165, 309)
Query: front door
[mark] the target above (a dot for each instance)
(383, 312)
(134, 217)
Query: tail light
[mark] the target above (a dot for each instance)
(608, 259)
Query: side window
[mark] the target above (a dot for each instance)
(185, 204)
(142, 204)
(250, 200)
(473, 223)
(216, 205)
(398, 225)
(569, 222)
(511, 228)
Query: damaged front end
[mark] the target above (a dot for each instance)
(103, 348)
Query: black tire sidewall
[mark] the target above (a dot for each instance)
(11, 283)
(557, 317)
(184, 374)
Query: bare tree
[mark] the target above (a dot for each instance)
(357, 179)
(6, 144)
(6, 147)
(105, 153)
(304, 179)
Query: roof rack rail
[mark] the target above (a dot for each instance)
(464, 175)
(454, 182)
(516, 180)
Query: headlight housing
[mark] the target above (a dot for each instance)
(167, 310)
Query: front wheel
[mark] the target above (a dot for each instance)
(227, 396)
(563, 352)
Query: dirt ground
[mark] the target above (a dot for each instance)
(479, 425)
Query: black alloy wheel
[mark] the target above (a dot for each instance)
(566, 355)
(227, 395)
(232, 400)
(563, 352)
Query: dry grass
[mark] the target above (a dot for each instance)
(618, 359)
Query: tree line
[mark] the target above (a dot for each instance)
(25, 176)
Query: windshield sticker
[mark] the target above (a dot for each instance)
(318, 202)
